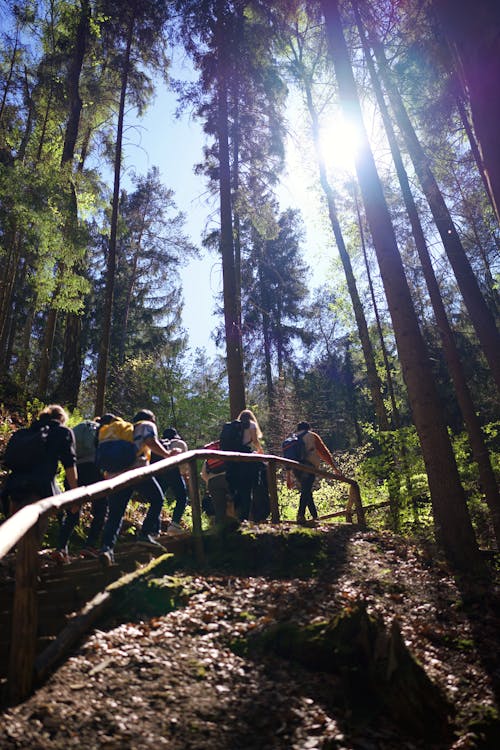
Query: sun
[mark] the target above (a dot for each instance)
(339, 143)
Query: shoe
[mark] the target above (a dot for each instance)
(174, 528)
(59, 556)
(301, 519)
(106, 558)
(146, 540)
(89, 552)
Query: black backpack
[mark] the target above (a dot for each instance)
(231, 437)
(27, 448)
(293, 447)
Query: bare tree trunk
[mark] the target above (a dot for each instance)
(46, 353)
(479, 449)
(234, 349)
(8, 78)
(480, 315)
(69, 383)
(452, 356)
(473, 30)
(374, 383)
(107, 318)
(452, 522)
(266, 335)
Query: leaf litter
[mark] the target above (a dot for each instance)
(176, 681)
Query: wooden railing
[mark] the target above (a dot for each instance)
(21, 529)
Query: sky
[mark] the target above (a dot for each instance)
(175, 146)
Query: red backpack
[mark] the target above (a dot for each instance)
(215, 465)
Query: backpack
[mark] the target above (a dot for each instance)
(214, 465)
(293, 447)
(231, 437)
(116, 450)
(85, 441)
(27, 448)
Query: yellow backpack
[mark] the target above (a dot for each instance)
(116, 450)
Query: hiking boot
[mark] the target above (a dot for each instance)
(59, 556)
(146, 540)
(175, 528)
(89, 553)
(301, 519)
(106, 558)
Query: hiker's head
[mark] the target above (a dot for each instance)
(106, 418)
(170, 433)
(144, 415)
(246, 416)
(53, 411)
(303, 426)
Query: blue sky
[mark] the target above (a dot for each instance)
(175, 146)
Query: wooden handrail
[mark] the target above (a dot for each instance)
(14, 528)
(21, 529)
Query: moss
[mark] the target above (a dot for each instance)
(379, 675)
(156, 596)
(298, 554)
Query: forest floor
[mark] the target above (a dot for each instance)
(182, 680)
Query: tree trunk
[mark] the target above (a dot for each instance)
(374, 383)
(46, 353)
(69, 383)
(107, 317)
(267, 337)
(481, 317)
(473, 30)
(8, 78)
(234, 353)
(452, 522)
(472, 422)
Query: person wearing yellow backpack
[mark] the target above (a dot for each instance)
(145, 440)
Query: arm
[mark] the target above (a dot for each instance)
(156, 447)
(255, 440)
(71, 477)
(325, 454)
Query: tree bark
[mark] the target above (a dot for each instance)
(480, 315)
(107, 317)
(473, 30)
(234, 349)
(452, 522)
(452, 356)
(374, 383)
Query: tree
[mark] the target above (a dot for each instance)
(453, 526)
(473, 424)
(237, 96)
(143, 24)
(473, 31)
(481, 317)
(304, 72)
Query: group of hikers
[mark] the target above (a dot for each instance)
(108, 445)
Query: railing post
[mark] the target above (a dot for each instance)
(272, 485)
(196, 510)
(24, 618)
(355, 498)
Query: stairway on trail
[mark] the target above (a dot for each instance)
(65, 589)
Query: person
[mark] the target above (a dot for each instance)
(146, 440)
(173, 479)
(241, 477)
(218, 490)
(88, 473)
(33, 455)
(315, 451)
